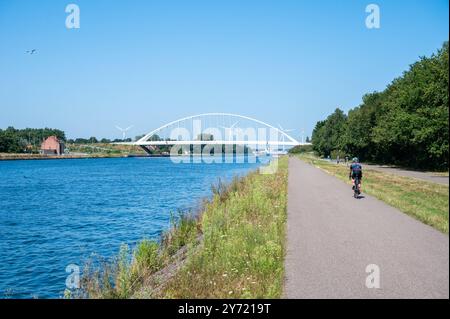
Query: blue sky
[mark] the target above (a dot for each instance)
(145, 63)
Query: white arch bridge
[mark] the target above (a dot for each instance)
(219, 129)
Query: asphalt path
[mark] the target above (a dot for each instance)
(341, 247)
(426, 176)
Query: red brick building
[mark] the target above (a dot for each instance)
(52, 146)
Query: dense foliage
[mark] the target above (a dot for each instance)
(406, 124)
(26, 140)
(301, 149)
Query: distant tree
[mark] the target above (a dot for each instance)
(205, 137)
(155, 137)
(138, 137)
(25, 140)
(301, 149)
(9, 143)
(81, 141)
(92, 140)
(360, 124)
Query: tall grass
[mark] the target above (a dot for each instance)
(240, 254)
(130, 269)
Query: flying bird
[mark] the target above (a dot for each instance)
(31, 52)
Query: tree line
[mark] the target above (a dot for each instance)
(406, 124)
(29, 140)
(94, 140)
(26, 140)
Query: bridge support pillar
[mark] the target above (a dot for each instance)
(147, 149)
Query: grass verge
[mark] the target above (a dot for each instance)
(233, 249)
(242, 252)
(425, 201)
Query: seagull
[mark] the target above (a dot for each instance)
(31, 52)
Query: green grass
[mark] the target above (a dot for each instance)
(425, 201)
(242, 252)
(104, 149)
(233, 249)
(443, 174)
(128, 272)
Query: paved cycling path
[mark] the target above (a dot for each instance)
(332, 238)
(426, 176)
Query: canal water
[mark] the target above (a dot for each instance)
(54, 213)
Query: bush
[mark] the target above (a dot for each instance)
(146, 257)
(184, 230)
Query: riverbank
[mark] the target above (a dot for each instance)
(423, 200)
(20, 157)
(24, 157)
(234, 248)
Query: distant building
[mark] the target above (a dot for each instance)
(52, 146)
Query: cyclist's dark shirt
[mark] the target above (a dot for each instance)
(356, 170)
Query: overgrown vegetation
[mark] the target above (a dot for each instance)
(233, 249)
(425, 201)
(243, 246)
(126, 274)
(105, 149)
(301, 149)
(406, 124)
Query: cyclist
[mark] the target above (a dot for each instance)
(355, 172)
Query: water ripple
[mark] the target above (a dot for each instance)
(56, 213)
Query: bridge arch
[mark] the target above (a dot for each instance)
(287, 140)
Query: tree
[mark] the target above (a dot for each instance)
(357, 139)
(81, 141)
(406, 124)
(25, 140)
(93, 140)
(328, 135)
(205, 137)
(413, 129)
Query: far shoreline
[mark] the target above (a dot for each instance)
(28, 157)
(16, 157)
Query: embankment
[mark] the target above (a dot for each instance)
(234, 248)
